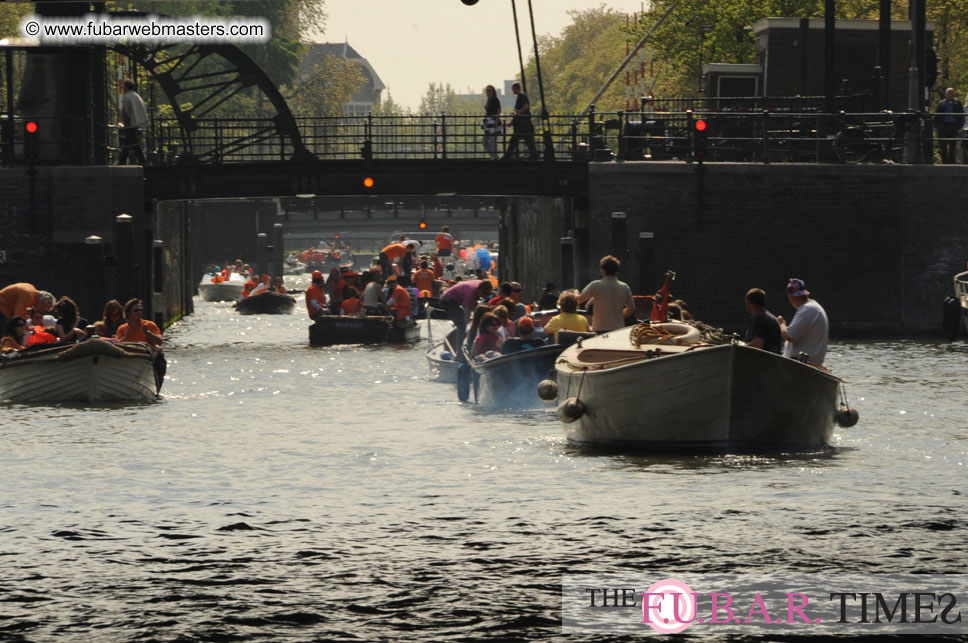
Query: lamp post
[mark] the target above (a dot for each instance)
(703, 30)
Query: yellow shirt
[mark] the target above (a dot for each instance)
(567, 321)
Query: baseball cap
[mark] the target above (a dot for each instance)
(526, 322)
(797, 288)
(317, 274)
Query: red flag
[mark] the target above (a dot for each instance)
(660, 309)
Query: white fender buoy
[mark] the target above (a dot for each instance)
(570, 410)
(683, 333)
(548, 390)
(846, 417)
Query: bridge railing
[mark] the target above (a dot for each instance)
(738, 130)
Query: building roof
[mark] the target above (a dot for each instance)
(317, 52)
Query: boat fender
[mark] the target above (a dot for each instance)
(684, 333)
(570, 410)
(846, 417)
(548, 390)
(951, 319)
(446, 355)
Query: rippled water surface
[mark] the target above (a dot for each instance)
(282, 492)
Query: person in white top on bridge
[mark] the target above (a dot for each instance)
(134, 118)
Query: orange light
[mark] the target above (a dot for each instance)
(368, 182)
(336, 236)
(31, 127)
(423, 225)
(700, 125)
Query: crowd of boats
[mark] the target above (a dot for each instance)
(662, 380)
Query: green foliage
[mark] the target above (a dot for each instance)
(327, 89)
(441, 98)
(10, 16)
(389, 107)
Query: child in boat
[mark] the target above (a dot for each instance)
(568, 318)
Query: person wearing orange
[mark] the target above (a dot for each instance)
(438, 267)
(263, 286)
(398, 300)
(351, 304)
(445, 242)
(14, 337)
(424, 278)
(138, 329)
(315, 297)
(15, 299)
(389, 253)
(279, 286)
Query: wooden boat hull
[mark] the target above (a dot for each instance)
(330, 329)
(510, 381)
(222, 291)
(729, 397)
(90, 371)
(266, 303)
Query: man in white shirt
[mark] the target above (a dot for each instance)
(613, 298)
(134, 118)
(809, 331)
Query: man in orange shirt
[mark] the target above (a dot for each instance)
(398, 299)
(388, 254)
(137, 329)
(315, 297)
(16, 299)
(445, 242)
(423, 279)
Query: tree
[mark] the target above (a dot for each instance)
(326, 90)
(441, 97)
(389, 107)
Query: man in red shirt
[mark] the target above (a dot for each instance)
(137, 329)
(423, 279)
(388, 254)
(445, 242)
(398, 299)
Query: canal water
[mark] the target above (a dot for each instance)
(282, 492)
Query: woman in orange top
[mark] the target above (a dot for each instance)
(137, 329)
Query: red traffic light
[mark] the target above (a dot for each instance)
(31, 127)
(368, 182)
(423, 224)
(700, 125)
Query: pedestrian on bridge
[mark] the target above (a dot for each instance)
(949, 117)
(492, 121)
(522, 126)
(134, 118)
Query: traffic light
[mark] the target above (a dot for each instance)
(699, 141)
(368, 182)
(422, 225)
(31, 141)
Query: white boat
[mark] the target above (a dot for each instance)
(295, 268)
(509, 381)
(93, 370)
(692, 392)
(228, 290)
(442, 359)
(956, 308)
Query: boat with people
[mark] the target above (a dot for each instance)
(93, 370)
(266, 303)
(662, 386)
(328, 330)
(509, 380)
(219, 288)
(955, 320)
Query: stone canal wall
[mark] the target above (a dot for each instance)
(877, 245)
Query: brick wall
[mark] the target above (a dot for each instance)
(877, 244)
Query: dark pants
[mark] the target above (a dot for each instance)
(130, 140)
(948, 143)
(386, 265)
(523, 131)
(406, 269)
(443, 252)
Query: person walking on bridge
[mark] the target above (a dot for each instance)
(134, 118)
(522, 126)
(492, 121)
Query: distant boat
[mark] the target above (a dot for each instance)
(687, 391)
(93, 370)
(228, 290)
(332, 329)
(266, 303)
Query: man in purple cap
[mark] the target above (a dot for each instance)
(809, 330)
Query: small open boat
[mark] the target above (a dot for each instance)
(228, 290)
(332, 329)
(93, 370)
(442, 359)
(681, 386)
(509, 381)
(266, 303)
